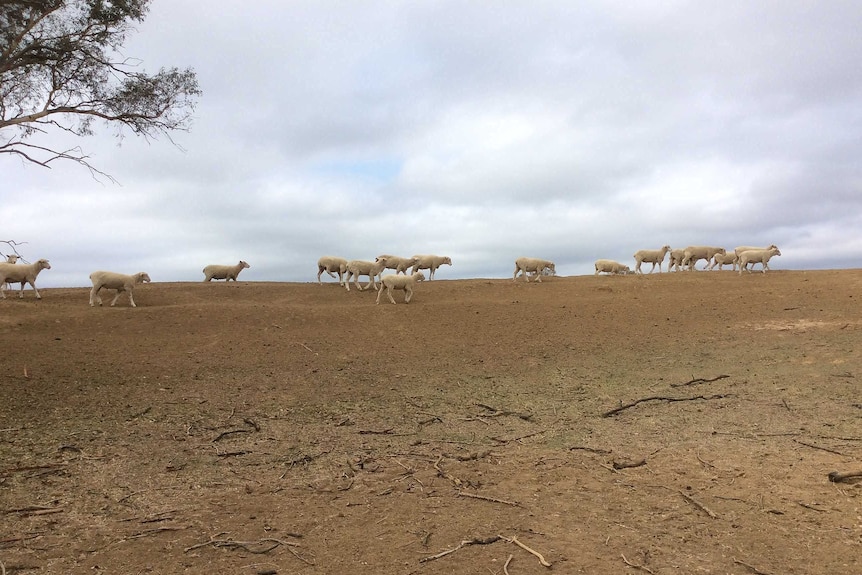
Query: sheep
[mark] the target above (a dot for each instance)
(227, 273)
(119, 282)
(650, 256)
(331, 264)
(739, 249)
(400, 265)
(724, 259)
(431, 263)
(694, 253)
(611, 267)
(675, 261)
(394, 281)
(356, 268)
(10, 259)
(21, 273)
(534, 265)
(756, 256)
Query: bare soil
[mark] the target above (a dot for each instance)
(274, 428)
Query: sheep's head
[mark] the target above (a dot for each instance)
(419, 277)
(243, 264)
(143, 277)
(43, 264)
(447, 260)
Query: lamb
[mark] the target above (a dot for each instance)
(119, 282)
(694, 253)
(400, 265)
(227, 273)
(739, 249)
(21, 273)
(331, 264)
(431, 263)
(675, 261)
(724, 259)
(650, 256)
(356, 268)
(757, 256)
(611, 267)
(396, 282)
(526, 266)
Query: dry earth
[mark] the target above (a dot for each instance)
(273, 428)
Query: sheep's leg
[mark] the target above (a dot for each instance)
(389, 293)
(408, 294)
(131, 299)
(379, 293)
(116, 297)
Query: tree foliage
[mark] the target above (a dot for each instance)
(61, 69)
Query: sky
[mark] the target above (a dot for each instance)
(479, 130)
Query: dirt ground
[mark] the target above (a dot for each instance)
(277, 428)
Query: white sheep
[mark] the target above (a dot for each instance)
(675, 261)
(331, 264)
(739, 249)
(119, 282)
(10, 259)
(356, 268)
(396, 282)
(430, 263)
(21, 273)
(399, 264)
(694, 253)
(227, 273)
(611, 267)
(536, 266)
(652, 257)
(757, 256)
(724, 259)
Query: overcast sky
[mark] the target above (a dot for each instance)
(481, 130)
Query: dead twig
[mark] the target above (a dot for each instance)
(499, 412)
(838, 477)
(265, 546)
(446, 474)
(663, 398)
(486, 498)
(752, 567)
(635, 565)
(34, 510)
(465, 543)
(699, 380)
(504, 441)
(698, 504)
(812, 446)
(154, 531)
(506, 565)
(628, 464)
(533, 552)
(591, 450)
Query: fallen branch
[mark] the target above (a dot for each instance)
(224, 434)
(155, 530)
(34, 510)
(635, 565)
(486, 498)
(838, 477)
(506, 565)
(663, 398)
(504, 441)
(465, 543)
(699, 380)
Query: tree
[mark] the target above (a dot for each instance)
(61, 69)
